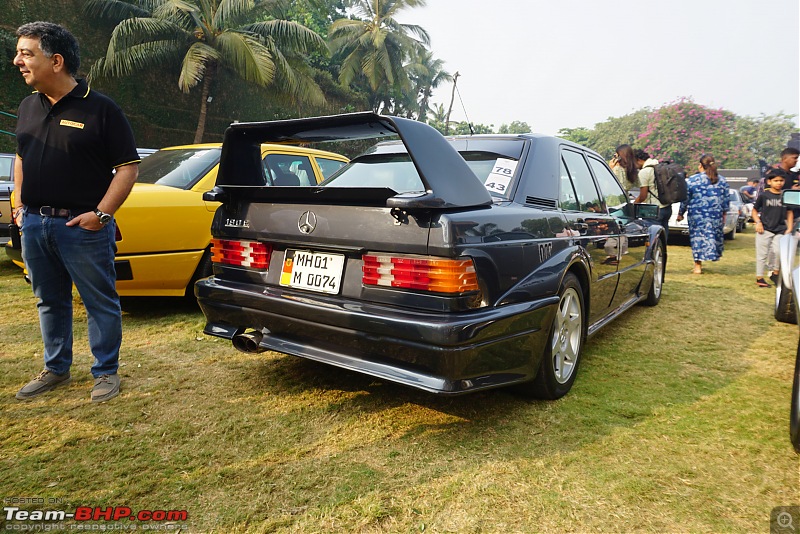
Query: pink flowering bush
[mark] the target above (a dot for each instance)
(683, 131)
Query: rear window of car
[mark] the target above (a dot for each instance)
(398, 173)
(329, 166)
(180, 168)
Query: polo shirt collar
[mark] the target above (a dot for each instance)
(79, 91)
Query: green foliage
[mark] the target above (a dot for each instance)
(460, 128)
(608, 135)
(766, 135)
(426, 73)
(580, 135)
(374, 47)
(209, 39)
(684, 130)
(516, 127)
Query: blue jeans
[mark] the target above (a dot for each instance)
(56, 256)
(664, 215)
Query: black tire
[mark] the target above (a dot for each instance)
(785, 311)
(730, 236)
(794, 412)
(203, 270)
(659, 268)
(562, 354)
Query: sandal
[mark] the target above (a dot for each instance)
(697, 270)
(760, 282)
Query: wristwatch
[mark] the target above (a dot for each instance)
(105, 218)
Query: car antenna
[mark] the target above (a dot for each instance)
(469, 122)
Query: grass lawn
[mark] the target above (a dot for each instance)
(678, 422)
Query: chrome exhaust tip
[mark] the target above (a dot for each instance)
(248, 341)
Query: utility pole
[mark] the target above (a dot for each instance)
(452, 97)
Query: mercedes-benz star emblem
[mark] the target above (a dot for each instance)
(307, 222)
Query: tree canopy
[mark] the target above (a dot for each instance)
(247, 37)
(684, 130)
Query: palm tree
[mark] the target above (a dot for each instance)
(428, 74)
(376, 46)
(205, 36)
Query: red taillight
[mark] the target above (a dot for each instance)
(250, 254)
(426, 273)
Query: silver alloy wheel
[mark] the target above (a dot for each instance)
(658, 274)
(567, 334)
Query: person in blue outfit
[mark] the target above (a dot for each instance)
(707, 203)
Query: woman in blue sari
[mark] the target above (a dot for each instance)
(707, 202)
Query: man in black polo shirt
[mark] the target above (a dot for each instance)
(76, 164)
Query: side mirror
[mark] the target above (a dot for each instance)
(215, 195)
(645, 211)
(791, 198)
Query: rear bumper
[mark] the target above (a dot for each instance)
(445, 353)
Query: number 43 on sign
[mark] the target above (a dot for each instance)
(500, 177)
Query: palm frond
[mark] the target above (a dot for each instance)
(351, 68)
(180, 12)
(246, 56)
(292, 36)
(114, 9)
(235, 13)
(135, 31)
(135, 58)
(194, 65)
(295, 82)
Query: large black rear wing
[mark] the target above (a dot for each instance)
(448, 181)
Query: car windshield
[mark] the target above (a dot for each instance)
(180, 168)
(734, 196)
(397, 172)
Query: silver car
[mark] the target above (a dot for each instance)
(786, 303)
(732, 221)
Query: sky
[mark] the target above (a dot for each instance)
(573, 63)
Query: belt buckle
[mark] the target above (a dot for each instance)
(44, 209)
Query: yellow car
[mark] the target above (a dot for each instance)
(164, 227)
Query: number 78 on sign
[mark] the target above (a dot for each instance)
(502, 172)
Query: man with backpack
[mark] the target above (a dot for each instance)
(648, 191)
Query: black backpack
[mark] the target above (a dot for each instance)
(670, 182)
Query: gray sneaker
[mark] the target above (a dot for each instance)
(44, 382)
(105, 387)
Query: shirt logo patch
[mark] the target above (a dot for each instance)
(72, 124)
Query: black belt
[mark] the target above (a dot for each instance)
(50, 211)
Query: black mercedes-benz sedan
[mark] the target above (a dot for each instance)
(447, 264)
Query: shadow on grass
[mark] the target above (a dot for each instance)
(146, 308)
(623, 380)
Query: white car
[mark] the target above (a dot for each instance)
(786, 303)
(731, 220)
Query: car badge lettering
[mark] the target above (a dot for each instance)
(307, 222)
(545, 251)
(237, 223)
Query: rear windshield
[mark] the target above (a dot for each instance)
(180, 168)
(398, 173)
